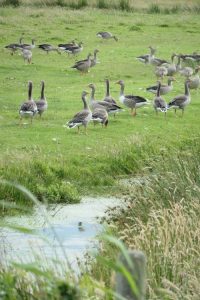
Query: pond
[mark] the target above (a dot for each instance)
(63, 232)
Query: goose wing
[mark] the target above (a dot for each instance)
(177, 101)
(160, 103)
(79, 117)
(28, 106)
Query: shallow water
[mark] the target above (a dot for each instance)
(66, 237)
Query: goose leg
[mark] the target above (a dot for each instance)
(78, 130)
(20, 121)
(133, 112)
(182, 111)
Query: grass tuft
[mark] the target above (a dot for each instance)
(124, 5)
(154, 9)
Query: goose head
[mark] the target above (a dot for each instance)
(84, 93)
(91, 86)
(120, 82)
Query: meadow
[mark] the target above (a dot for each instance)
(48, 158)
(59, 165)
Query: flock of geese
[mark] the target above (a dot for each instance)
(99, 110)
(72, 48)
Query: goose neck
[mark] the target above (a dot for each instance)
(107, 89)
(187, 91)
(92, 94)
(85, 102)
(122, 90)
(30, 86)
(158, 90)
(42, 91)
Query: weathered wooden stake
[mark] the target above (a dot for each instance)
(137, 272)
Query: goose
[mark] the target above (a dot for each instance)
(106, 35)
(67, 45)
(157, 61)
(100, 115)
(179, 102)
(185, 71)
(133, 102)
(94, 59)
(83, 117)
(160, 72)
(189, 57)
(159, 103)
(27, 55)
(147, 57)
(29, 107)
(42, 102)
(108, 97)
(109, 107)
(171, 69)
(48, 48)
(164, 88)
(83, 65)
(14, 47)
(28, 46)
(194, 81)
(75, 49)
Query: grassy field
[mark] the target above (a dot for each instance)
(46, 154)
(61, 165)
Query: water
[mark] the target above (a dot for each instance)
(69, 231)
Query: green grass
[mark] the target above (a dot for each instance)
(45, 154)
(59, 165)
(162, 220)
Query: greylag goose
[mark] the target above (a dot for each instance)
(83, 117)
(184, 71)
(159, 103)
(131, 101)
(108, 97)
(100, 115)
(14, 47)
(179, 102)
(83, 65)
(194, 82)
(67, 45)
(160, 72)
(28, 46)
(147, 57)
(164, 88)
(171, 69)
(109, 107)
(94, 59)
(190, 57)
(29, 107)
(106, 35)
(48, 48)
(157, 61)
(27, 55)
(42, 102)
(75, 49)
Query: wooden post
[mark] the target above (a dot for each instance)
(137, 272)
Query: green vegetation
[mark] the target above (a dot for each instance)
(56, 163)
(150, 6)
(163, 221)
